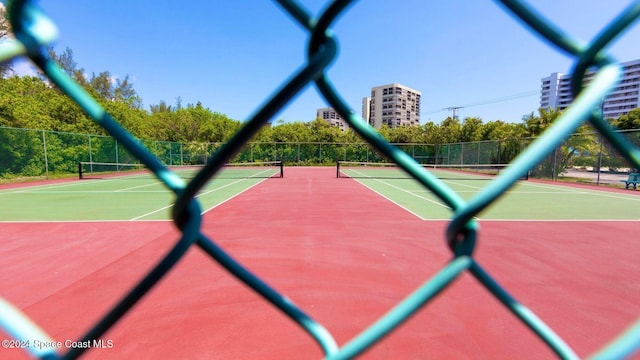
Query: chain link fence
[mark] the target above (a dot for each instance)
(583, 157)
(554, 150)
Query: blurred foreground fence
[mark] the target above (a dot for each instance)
(41, 153)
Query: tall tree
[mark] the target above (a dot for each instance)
(112, 89)
(471, 129)
(500, 130)
(536, 125)
(451, 130)
(630, 120)
(64, 60)
(124, 92)
(160, 108)
(67, 62)
(431, 133)
(102, 84)
(291, 132)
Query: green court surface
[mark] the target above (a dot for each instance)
(527, 200)
(108, 199)
(144, 198)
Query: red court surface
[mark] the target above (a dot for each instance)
(342, 253)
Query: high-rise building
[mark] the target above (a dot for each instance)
(393, 105)
(556, 91)
(332, 117)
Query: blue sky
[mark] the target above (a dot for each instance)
(231, 55)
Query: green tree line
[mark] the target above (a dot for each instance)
(30, 102)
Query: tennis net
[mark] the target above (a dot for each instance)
(98, 170)
(379, 170)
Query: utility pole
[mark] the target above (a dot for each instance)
(454, 110)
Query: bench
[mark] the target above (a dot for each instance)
(634, 179)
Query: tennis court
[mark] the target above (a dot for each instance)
(527, 200)
(124, 192)
(103, 196)
(342, 249)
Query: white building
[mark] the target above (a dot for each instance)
(394, 105)
(556, 93)
(332, 117)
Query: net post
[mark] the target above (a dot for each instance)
(281, 164)
(338, 169)
(80, 170)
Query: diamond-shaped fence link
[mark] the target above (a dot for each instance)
(34, 31)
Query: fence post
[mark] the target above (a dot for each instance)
(90, 153)
(555, 162)
(117, 159)
(46, 161)
(599, 160)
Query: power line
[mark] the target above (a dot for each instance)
(491, 101)
(506, 98)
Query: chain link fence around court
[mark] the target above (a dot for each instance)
(38, 153)
(35, 31)
(28, 153)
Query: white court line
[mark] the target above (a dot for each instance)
(595, 192)
(41, 189)
(151, 213)
(462, 184)
(398, 205)
(27, 189)
(514, 192)
(69, 221)
(559, 190)
(139, 186)
(444, 219)
(233, 196)
(561, 220)
(402, 190)
(70, 192)
(563, 190)
(205, 193)
(160, 182)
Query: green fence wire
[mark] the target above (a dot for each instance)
(29, 153)
(34, 31)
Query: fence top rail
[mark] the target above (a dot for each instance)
(357, 143)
